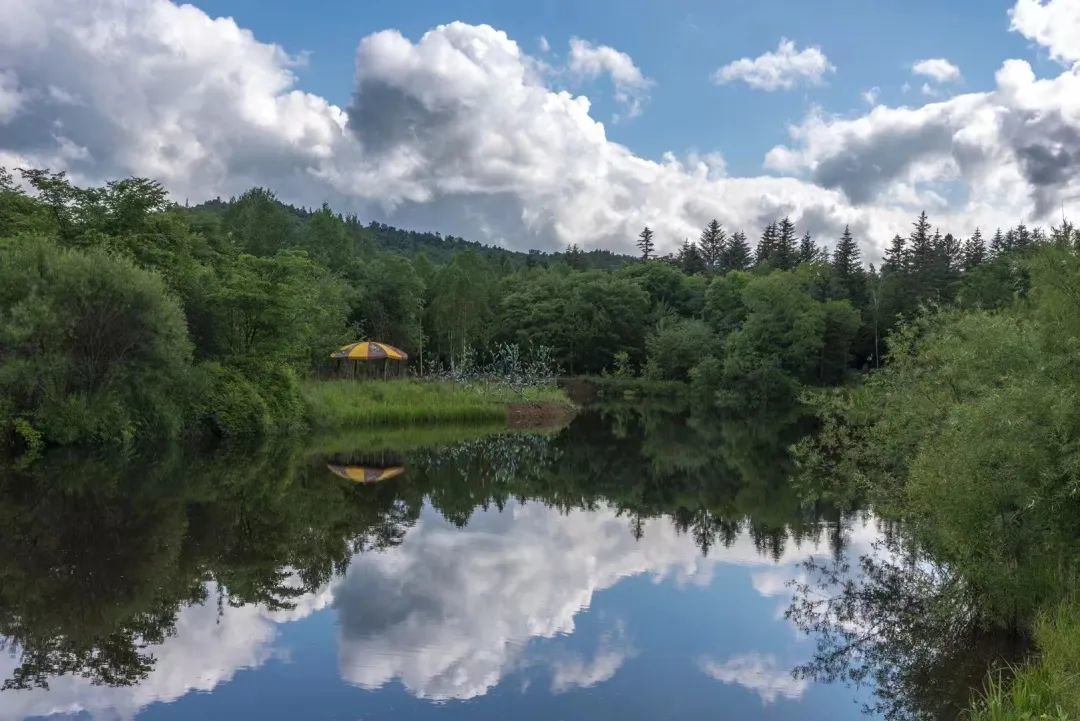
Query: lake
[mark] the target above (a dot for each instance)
(637, 564)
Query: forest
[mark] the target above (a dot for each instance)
(124, 316)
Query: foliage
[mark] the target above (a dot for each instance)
(676, 346)
(969, 436)
(94, 347)
(267, 289)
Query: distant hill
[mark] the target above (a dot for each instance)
(437, 247)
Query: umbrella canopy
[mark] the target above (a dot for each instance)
(365, 474)
(369, 350)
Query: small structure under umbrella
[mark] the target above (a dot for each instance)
(365, 474)
(369, 351)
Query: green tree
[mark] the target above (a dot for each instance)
(676, 346)
(95, 349)
(848, 276)
(645, 243)
(259, 224)
(737, 255)
(712, 245)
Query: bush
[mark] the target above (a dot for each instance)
(676, 346)
(95, 349)
(228, 404)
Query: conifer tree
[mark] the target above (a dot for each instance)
(1065, 235)
(849, 278)
(921, 252)
(711, 245)
(787, 250)
(1021, 237)
(997, 244)
(574, 257)
(974, 251)
(737, 254)
(645, 243)
(808, 251)
(768, 247)
(896, 257)
(689, 258)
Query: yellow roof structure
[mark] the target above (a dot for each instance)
(369, 350)
(365, 474)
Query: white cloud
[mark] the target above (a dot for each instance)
(939, 70)
(462, 131)
(573, 671)
(1054, 24)
(1014, 151)
(545, 46)
(590, 61)
(451, 611)
(871, 96)
(761, 673)
(781, 69)
(210, 646)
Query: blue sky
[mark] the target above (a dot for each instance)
(679, 45)
(453, 116)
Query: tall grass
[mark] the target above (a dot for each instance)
(351, 403)
(1047, 687)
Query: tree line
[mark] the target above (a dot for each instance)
(124, 315)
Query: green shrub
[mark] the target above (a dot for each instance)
(95, 349)
(228, 404)
(676, 346)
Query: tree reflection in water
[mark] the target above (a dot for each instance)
(901, 623)
(99, 555)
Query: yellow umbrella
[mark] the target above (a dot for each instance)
(369, 350)
(365, 474)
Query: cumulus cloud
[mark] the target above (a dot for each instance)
(210, 646)
(761, 673)
(939, 70)
(461, 131)
(1054, 24)
(573, 671)
(870, 96)
(590, 61)
(1016, 147)
(781, 69)
(451, 611)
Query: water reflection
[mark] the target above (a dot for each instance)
(636, 551)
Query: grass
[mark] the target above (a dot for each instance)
(1046, 688)
(340, 404)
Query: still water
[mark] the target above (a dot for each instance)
(632, 565)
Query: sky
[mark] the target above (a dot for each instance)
(535, 125)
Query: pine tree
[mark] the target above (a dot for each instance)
(997, 244)
(921, 252)
(896, 257)
(808, 251)
(952, 251)
(849, 279)
(711, 245)
(645, 243)
(974, 251)
(689, 258)
(574, 257)
(1065, 235)
(737, 255)
(768, 247)
(1021, 237)
(787, 251)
